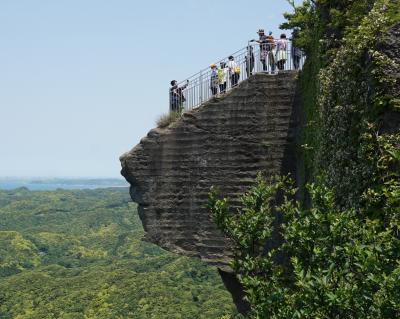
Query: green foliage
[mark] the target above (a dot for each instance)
(251, 225)
(339, 252)
(306, 21)
(327, 20)
(350, 139)
(348, 84)
(339, 256)
(16, 253)
(79, 255)
(332, 263)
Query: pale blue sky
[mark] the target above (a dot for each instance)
(81, 81)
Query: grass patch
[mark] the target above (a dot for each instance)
(165, 120)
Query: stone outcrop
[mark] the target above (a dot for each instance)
(224, 143)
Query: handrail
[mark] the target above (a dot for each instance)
(254, 58)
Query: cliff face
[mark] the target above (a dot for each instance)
(224, 143)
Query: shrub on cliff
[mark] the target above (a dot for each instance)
(165, 120)
(332, 263)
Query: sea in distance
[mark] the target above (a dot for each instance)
(48, 184)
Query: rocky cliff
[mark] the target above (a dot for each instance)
(223, 143)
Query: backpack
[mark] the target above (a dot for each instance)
(220, 74)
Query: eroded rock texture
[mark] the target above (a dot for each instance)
(223, 143)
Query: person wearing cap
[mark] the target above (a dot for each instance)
(176, 97)
(263, 41)
(234, 71)
(214, 80)
(223, 76)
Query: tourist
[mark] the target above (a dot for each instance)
(223, 75)
(234, 71)
(176, 96)
(214, 80)
(271, 51)
(249, 60)
(263, 41)
(281, 47)
(297, 53)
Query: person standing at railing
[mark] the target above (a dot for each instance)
(176, 96)
(297, 53)
(234, 71)
(281, 47)
(271, 51)
(263, 41)
(223, 75)
(214, 80)
(249, 60)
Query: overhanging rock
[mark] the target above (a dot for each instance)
(224, 143)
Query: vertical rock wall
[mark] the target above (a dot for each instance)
(223, 143)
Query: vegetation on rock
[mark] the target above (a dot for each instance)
(166, 119)
(330, 264)
(337, 252)
(349, 83)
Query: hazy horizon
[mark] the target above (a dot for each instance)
(54, 183)
(61, 177)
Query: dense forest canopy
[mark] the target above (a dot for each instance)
(79, 254)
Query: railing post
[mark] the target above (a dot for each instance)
(169, 100)
(201, 87)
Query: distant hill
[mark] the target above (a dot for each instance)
(60, 183)
(79, 254)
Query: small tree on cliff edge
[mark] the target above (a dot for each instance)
(340, 263)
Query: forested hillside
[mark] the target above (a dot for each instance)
(79, 254)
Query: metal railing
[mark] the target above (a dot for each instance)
(254, 58)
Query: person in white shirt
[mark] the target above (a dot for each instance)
(281, 47)
(234, 71)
